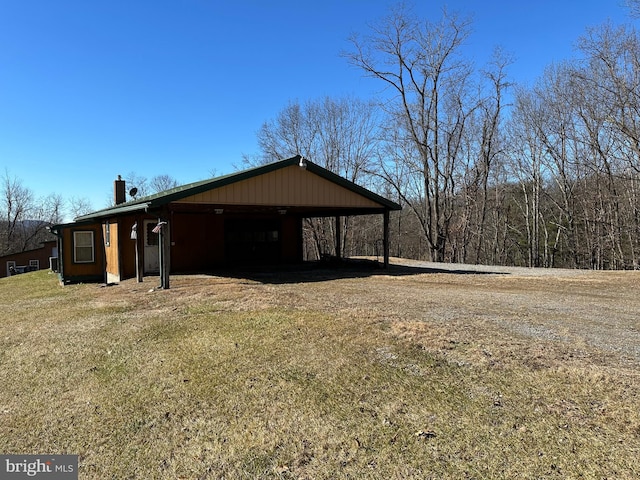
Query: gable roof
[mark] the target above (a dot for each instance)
(191, 189)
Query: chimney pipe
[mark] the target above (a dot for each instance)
(119, 195)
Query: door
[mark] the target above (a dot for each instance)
(151, 253)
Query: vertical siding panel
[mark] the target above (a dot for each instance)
(266, 192)
(253, 191)
(271, 184)
(279, 182)
(295, 187)
(307, 189)
(263, 190)
(313, 190)
(276, 190)
(291, 186)
(303, 188)
(246, 188)
(269, 187)
(282, 188)
(240, 193)
(243, 192)
(285, 192)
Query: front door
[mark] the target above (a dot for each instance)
(151, 253)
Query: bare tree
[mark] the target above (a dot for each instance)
(419, 62)
(24, 218)
(16, 204)
(634, 7)
(145, 186)
(77, 206)
(160, 183)
(608, 81)
(525, 153)
(611, 70)
(339, 134)
(490, 138)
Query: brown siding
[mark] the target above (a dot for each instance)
(197, 241)
(41, 254)
(111, 250)
(128, 246)
(83, 271)
(291, 186)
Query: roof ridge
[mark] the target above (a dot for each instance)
(176, 193)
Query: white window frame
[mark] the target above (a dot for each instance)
(77, 243)
(35, 263)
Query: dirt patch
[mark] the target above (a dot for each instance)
(557, 314)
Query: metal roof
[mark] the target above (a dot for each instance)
(162, 198)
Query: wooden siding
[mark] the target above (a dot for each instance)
(197, 241)
(111, 251)
(290, 186)
(83, 271)
(127, 249)
(42, 254)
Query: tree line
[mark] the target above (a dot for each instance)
(487, 171)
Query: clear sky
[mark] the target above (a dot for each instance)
(90, 89)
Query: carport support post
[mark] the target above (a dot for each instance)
(385, 240)
(165, 254)
(140, 233)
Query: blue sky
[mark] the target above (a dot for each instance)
(90, 89)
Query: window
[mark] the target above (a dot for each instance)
(11, 268)
(83, 247)
(107, 234)
(153, 239)
(34, 264)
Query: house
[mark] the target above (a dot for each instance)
(36, 259)
(246, 218)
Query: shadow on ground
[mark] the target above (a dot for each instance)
(310, 272)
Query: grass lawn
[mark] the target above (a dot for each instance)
(432, 375)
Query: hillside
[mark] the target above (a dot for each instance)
(422, 371)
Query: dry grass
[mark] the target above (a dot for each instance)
(411, 374)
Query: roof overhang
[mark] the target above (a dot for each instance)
(158, 202)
